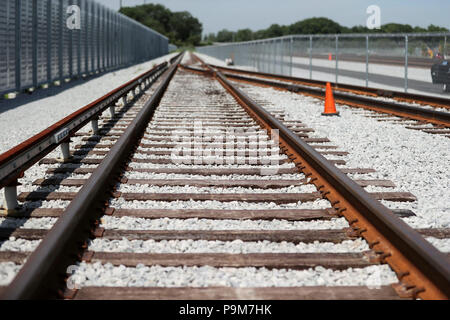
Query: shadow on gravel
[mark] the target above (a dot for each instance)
(41, 93)
(26, 213)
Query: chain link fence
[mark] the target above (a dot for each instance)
(388, 61)
(38, 47)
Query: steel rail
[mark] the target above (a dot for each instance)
(423, 270)
(46, 268)
(422, 99)
(15, 161)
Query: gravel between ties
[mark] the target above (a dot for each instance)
(416, 161)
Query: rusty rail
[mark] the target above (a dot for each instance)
(15, 161)
(45, 270)
(423, 270)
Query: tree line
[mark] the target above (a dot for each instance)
(183, 29)
(310, 26)
(180, 27)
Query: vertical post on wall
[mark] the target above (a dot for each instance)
(34, 44)
(274, 70)
(444, 54)
(110, 50)
(92, 45)
(276, 57)
(268, 48)
(97, 31)
(79, 46)
(103, 37)
(367, 61)
(337, 59)
(291, 44)
(120, 40)
(265, 56)
(70, 48)
(86, 35)
(406, 63)
(107, 39)
(107, 34)
(270, 61)
(49, 41)
(17, 44)
(60, 42)
(310, 56)
(255, 55)
(280, 52)
(258, 52)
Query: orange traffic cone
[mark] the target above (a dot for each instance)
(330, 107)
(330, 56)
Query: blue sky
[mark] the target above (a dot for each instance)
(258, 14)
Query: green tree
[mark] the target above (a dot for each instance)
(433, 28)
(186, 28)
(244, 35)
(315, 26)
(275, 30)
(180, 27)
(225, 36)
(396, 28)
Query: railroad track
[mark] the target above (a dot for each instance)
(191, 193)
(415, 111)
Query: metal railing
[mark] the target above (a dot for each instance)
(38, 46)
(389, 60)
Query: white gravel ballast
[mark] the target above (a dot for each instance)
(416, 161)
(37, 115)
(129, 223)
(108, 275)
(230, 247)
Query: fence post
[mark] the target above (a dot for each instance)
(367, 61)
(445, 48)
(60, 46)
(406, 63)
(110, 51)
(291, 53)
(337, 58)
(34, 43)
(103, 37)
(274, 58)
(254, 55)
(266, 56)
(258, 56)
(310, 56)
(49, 42)
(79, 45)
(17, 44)
(70, 45)
(107, 52)
(94, 32)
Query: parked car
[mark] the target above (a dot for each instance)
(440, 73)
